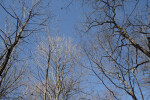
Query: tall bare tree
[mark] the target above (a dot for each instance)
(19, 21)
(119, 49)
(58, 73)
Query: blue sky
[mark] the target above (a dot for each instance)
(64, 21)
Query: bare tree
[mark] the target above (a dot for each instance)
(119, 49)
(58, 73)
(21, 20)
(12, 82)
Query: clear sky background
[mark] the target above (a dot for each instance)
(64, 22)
(64, 18)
